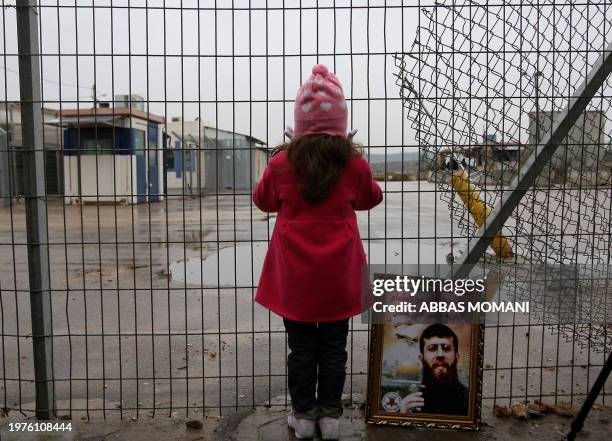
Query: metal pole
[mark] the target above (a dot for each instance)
(36, 215)
(577, 424)
(534, 165)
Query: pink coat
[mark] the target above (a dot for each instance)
(312, 271)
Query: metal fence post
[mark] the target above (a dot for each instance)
(36, 215)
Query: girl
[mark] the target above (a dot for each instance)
(312, 272)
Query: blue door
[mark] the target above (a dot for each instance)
(152, 162)
(141, 165)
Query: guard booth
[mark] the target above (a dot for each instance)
(112, 155)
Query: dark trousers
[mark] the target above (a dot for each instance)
(316, 367)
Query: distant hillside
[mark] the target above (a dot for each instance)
(393, 162)
(393, 157)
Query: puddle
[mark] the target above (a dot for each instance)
(231, 266)
(219, 269)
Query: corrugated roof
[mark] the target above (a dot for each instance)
(229, 132)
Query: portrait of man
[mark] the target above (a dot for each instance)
(442, 391)
(425, 374)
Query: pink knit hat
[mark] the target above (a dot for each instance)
(320, 107)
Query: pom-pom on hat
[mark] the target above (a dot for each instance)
(320, 107)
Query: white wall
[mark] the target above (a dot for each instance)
(173, 182)
(104, 180)
(185, 128)
(261, 161)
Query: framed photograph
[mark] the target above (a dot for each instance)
(425, 375)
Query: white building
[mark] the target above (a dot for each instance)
(183, 156)
(584, 148)
(112, 154)
(199, 156)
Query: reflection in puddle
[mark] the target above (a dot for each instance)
(219, 269)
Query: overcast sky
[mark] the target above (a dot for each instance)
(256, 53)
(181, 63)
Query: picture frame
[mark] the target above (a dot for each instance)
(399, 375)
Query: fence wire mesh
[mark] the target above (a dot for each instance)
(158, 121)
(493, 79)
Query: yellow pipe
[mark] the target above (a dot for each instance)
(479, 211)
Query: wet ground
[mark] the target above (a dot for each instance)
(270, 424)
(154, 313)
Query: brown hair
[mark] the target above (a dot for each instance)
(318, 161)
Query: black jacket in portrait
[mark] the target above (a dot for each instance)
(446, 398)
